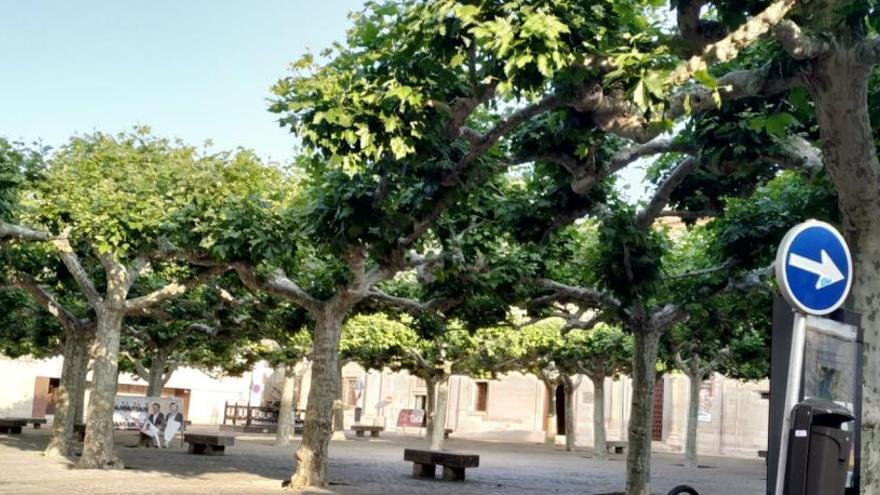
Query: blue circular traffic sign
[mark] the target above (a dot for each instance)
(814, 268)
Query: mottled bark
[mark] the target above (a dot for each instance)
(338, 408)
(79, 384)
(430, 405)
(550, 436)
(839, 85)
(638, 458)
(71, 392)
(695, 380)
(312, 455)
(156, 381)
(438, 426)
(286, 411)
(98, 448)
(600, 443)
(569, 386)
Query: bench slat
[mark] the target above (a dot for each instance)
(204, 439)
(450, 459)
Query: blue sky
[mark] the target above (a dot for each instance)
(194, 69)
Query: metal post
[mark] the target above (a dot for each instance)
(792, 394)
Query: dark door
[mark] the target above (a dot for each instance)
(657, 425)
(560, 410)
(43, 400)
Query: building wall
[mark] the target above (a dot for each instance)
(734, 419)
(17, 392)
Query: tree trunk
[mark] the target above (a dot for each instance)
(98, 447)
(79, 383)
(157, 374)
(286, 410)
(638, 459)
(600, 444)
(312, 455)
(438, 426)
(550, 436)
(71, 392)
(570, 424)
(430, 405)
(839, 85)
(695, 380)
(338, 408)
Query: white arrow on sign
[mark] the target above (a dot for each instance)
(826, 269)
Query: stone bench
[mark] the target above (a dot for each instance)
(425, 463)
(34, 421)
(359, 430)
(208, 444)
(12, 426)
(79, 430)
(616, 447)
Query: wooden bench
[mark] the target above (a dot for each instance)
(35, 421)
(208, 444)
(425, 463)
(359, 430)
(11, 426)
(79, 430)
(616, 447)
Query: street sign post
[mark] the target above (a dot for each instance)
(814, 274)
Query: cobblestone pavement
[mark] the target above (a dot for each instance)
(358, 467)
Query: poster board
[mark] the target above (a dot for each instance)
(132, 412)
(411, 418)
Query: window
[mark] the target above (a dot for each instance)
(481, 401)
(420, 402)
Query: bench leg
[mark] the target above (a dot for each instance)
(374, 433)
(424, 470)
(453, 473)
(36, 426)
(359, 433)
(216, 450)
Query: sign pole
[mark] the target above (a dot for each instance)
(792, 394)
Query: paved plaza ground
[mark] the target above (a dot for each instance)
(361, 467)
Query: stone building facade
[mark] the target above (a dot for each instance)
(733, 414)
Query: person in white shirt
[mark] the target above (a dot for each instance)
(153, 426)
(173, 422)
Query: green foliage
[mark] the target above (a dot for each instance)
(604, 350)
(378, 95)
(629, 258)
(377, 341)
(27, 329)
(752, 227)
(238, 209)
(18, 164)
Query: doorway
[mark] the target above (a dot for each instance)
(560, 410)
(45, 396)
